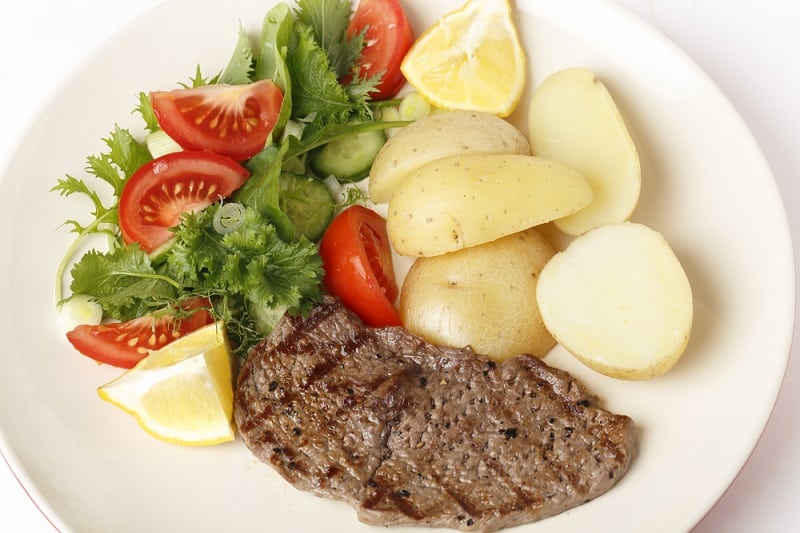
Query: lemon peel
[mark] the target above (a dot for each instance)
(183, 392)
(471, 59)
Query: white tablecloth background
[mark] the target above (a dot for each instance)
(751, 48)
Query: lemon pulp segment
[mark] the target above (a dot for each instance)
(182, 393)
(470, 59)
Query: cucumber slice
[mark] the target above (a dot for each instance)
(308, 204)
(348, 159)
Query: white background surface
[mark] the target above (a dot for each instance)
(750, 48)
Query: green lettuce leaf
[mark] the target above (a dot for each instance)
(239, 69)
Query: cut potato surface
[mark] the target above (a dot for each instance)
(461, 201)
(619, 300)
(440, 135)
(573, 120)
(483, 296)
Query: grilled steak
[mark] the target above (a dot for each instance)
(411, 433)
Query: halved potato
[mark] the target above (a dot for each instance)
(460, 201)
(440, 135)
(483, 296)
(619, 300)
(574, 120)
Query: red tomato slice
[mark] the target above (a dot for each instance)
(231, 120)
(358, 265)
(387, 38)
(156, 195)
(123, 344)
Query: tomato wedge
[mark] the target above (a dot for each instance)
(358, 265)
(156, 195)
(123, 344)
(388, 37)
(231, 120)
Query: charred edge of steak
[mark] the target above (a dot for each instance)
(411, 433)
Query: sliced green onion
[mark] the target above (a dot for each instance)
(414, 107)
(390, 114)
(159, 143)
(80, 309)
(294, 128)
(228, 217)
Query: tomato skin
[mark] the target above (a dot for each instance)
(156, 195)
(123, 344)
(358, 265)
(231, 120)
(388, 37)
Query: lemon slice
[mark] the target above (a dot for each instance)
(471, 59)
(182, 393)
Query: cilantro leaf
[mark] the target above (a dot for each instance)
(191, 258)
(123, 281)
(268, 270)
(251, 260)
(251, 274)
(251, 265)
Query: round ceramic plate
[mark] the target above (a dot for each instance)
(706, 187)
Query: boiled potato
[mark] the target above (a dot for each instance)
(460, 201)
(619, 300)
(440, 135)
(573, 120)
(483, 296)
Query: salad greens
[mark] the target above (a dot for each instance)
(125, 154)
(255, 271)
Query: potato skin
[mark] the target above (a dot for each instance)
(440, 135)
(462, 201)
(483, 296)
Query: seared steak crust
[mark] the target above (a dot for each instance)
(411, 433)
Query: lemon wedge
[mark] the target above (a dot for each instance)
(183, 392)
(471, 59)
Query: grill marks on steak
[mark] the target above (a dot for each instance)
(411, 433)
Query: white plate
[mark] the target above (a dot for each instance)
(706, 187)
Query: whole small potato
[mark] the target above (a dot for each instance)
(460, 201)
(436, 136)
(483, 296)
